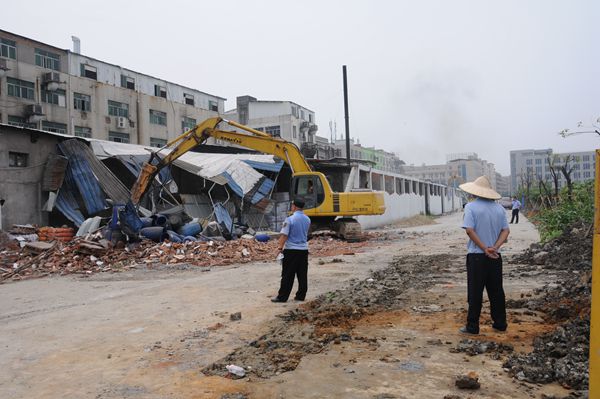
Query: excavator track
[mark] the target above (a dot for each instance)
(348, 229)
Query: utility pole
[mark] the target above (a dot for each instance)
(346, 117)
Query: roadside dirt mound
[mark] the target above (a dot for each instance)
(561, 355)
(330, 318)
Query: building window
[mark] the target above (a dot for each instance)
(88, 71)
(54, 127)
(56, 97)
(156, 142)
(187, 123)
(20, 88)
(189, 99)
(213, 106)
(538, 161)
(158, 117)
(577, 175)
(586, 158)
(20, 121)
(82, 102)
(46, 59)
(586, 175)
(8, 49)
(586, 166)
(274, 131)
(295, 111)
(118, 137)
(127, 82)
(17, 159)
(160, 91)
(310, 118)
(260, 129)
(529, 162)
(294, 131)
(82, 131)
(538, 170)
(118, 109)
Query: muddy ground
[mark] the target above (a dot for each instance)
(382, 323)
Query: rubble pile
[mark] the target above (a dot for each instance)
(560, 355)
(95, 254)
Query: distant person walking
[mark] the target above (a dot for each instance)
(486, 226)
(516, 205)
(294, 244)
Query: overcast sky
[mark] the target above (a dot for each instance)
(426, 78)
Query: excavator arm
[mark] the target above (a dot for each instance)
(256, 140)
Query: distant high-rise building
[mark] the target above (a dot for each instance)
(458, 169)
(534, 165)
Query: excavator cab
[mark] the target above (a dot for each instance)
(308, 188)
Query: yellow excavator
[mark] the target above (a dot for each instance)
(326, 208)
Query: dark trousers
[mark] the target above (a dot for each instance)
(484, 272)
(515, 215)
(295, 264)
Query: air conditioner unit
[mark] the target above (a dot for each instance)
(50, 77)
(35, 109)
(122, 122)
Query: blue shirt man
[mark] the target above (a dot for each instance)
(294, 244)
(516, 205)
(295, 228)
(487, 218)
(485, 224)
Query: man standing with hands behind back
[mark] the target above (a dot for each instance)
(486, 225)
(294, 244)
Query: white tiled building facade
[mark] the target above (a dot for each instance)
(58, 90)
(535, 163)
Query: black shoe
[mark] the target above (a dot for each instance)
(499, 329)
(276, 299)
(298, 300)
(464, 330)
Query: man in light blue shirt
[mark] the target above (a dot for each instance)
(487, 228)
(294, 244)
(516, 206)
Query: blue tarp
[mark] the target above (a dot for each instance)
(264, 190)
(269, 167)
(79, 176)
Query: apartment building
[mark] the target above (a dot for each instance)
(535, 165)
(285, 119)
(459, 168)
(63, 91)
(382, 160)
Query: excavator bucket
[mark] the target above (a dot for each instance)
(143, 181)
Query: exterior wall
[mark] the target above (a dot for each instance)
(106, 87)
(402, 203)
(21, 187)
(382, 160)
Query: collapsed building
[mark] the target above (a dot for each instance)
(56, 179)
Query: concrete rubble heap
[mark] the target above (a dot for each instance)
(94, 254)
(562, 354)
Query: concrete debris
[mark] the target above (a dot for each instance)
(73, 257)
(469, 381)
(560, 355)
(235, 316)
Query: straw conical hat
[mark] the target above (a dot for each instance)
(481, 187)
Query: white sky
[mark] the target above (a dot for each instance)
(426, 78)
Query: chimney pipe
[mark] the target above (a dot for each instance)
(76, 44)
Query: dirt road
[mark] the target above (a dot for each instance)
(149, 334)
